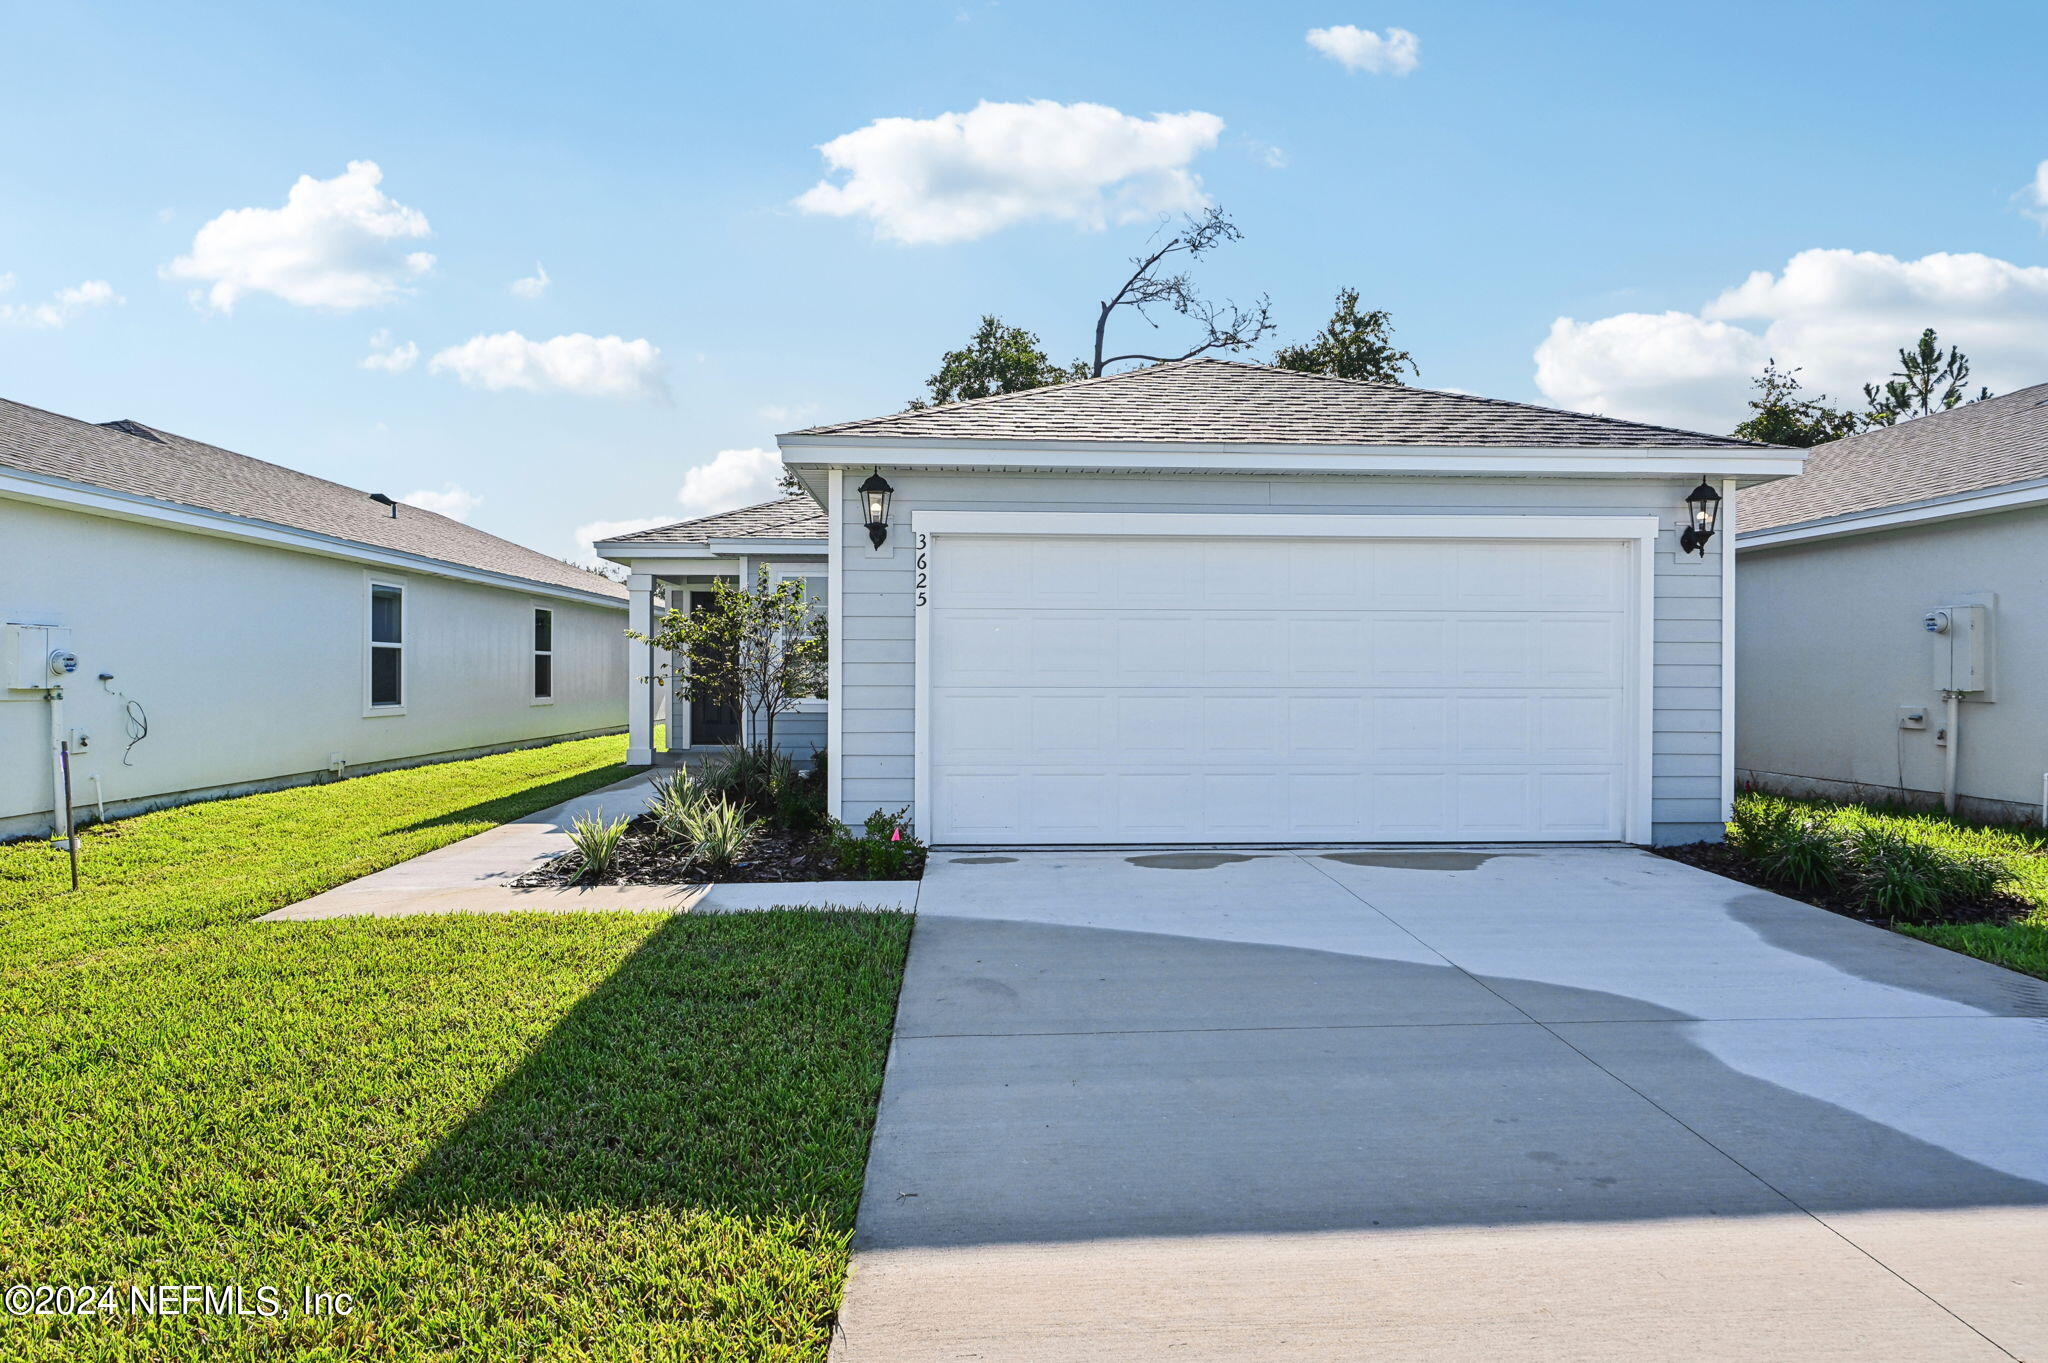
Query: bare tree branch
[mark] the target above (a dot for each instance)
(1225, 326)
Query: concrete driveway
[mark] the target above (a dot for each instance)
(1507, 1104)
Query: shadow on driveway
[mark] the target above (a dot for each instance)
(1062, 1083)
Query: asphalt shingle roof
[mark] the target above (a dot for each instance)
(1226, 402)
(129, 457)
(1979, 445)
(795, 517)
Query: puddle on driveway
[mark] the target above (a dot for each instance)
(983, 861)
(1419, 861)
(1188, 861)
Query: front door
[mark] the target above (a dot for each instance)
(712, 725)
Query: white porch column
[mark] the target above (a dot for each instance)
(640, 697)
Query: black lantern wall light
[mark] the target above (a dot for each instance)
(874, 501)
(1704, 506)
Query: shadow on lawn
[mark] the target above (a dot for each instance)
(526, 800)
(731, 1063)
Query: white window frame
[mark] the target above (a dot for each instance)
(370, 644)
(815, 705)
(534, 654)
(930, 528)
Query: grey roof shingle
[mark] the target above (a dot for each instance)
(795, 517)
(129, 457)
(1226, 402)
(1979, 445)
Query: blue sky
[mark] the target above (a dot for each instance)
(1626, 167)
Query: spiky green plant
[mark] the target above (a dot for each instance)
(717, 830)
(596, 841)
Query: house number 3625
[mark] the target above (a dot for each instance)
(923, 543)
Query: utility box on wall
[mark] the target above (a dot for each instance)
(26, 659)
(1961, 648)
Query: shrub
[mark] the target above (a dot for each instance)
(596, 841)
(799, 804)
(674, 797)
(748, 777)
(1789, 841)
(1910, 879)
(717, 831)
(884, 850)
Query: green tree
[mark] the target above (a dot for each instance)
(1925, 381)
(1783, 417)
(999, 359)
(759, 648)
(1354, 345)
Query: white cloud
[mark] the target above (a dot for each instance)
(593, 366)
(729, 480)
(392, 359)
(584, 540)
(337, 243)
(1361, 49)
(62, 306)
(2035, 196)
(533, 285)
(454, 501)
(1838, 316)
(733, 479)
(958, 176)
(1672, 368)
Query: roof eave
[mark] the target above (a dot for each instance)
(1932, 510)
(92, 499)
(1746, 463)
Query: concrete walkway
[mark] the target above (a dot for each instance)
(475, 875)
(1559, 1104)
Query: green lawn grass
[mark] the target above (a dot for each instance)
(516, 1136)
(2020, 943)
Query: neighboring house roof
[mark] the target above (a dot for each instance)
(795, 517)
(1210, 401)
(141, 461)
(1979, 445)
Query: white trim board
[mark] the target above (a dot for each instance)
(1254, 525)
(835, 644)
(1981, 503)
(927, 527)
(1094, 456)
(95, 501)
(1729, 528)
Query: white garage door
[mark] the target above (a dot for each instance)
(1168, 690)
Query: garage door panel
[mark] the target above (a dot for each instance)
(1412, 727)
(1581, 651)
(1408, 650)
(1156, 727)
(1581, 576)
(1579, 804)
(1243, 725)
(1492, 728)
(1493, 650)
(1325, 727)
(1407, 575)
(1579, 728)
(1270, 691)
(1493, 804)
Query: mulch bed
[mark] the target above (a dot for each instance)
(646, 858)
(1724, 859)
